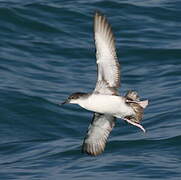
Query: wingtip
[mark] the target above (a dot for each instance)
(91, 151)
(99, 14)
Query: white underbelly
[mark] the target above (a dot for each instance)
(107, 104)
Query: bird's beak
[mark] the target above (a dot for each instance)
(65, 102)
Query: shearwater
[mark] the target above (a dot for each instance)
(105, 101)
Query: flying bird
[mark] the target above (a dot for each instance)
(105, 101)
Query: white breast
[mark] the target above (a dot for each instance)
(107, 104)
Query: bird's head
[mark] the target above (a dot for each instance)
(75, 98)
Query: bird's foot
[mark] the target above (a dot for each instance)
(135, 124)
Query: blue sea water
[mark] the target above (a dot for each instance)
(47, 52)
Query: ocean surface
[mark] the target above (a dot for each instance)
(47, 52)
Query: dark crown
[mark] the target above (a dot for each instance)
(76, 95)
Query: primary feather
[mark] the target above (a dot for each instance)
(107, 62)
